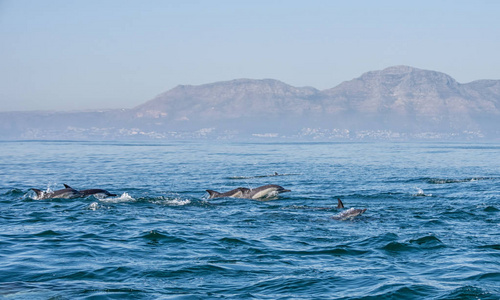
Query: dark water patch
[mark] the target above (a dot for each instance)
(286, 286)
(45, 216)
(493, 246)
(460, 180)
(13, 193)
(402, 291)
(459, 214)
(433, 223)
(13, 288)
(491, 276)
(115, 293)
(306, 207)
(491, 209)
(338, 251)
(120, 273)
(469, 292)
(48, 233)
(90, 236)
(156, 236)
(234, 242)
(428, 242)
(258, 251)
(377, 241)
(199, 270)
(397, 247)
(370, 196)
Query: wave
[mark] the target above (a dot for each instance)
(162, 200)
(426, 242)
(338, 251)
(13, 192)
(492, 246)
(469, 292)
(234, 242)
(262, 176)
(400, 291)
(156, 236)
(429, 241)
(452, 180)
(491, 209)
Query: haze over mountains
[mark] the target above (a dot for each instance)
(399, 102)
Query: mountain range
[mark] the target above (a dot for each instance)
(397, 102)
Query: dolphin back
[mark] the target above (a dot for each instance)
(349, 214)
(90, 192)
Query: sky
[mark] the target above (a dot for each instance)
(97, 54)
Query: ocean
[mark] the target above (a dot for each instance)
(431, 229)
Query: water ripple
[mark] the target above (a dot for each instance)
(430, 230)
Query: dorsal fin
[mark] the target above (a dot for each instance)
(212, 194)
(67, 186)
(37, 192)
(340, 204)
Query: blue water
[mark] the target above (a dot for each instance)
(431, 229)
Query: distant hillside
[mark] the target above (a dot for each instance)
(396, 97)
(230, 100)
(397, 102)
(418, 99)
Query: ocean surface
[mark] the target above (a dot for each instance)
(431, 229)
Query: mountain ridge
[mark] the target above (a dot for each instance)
(417, 98)
(396, 99)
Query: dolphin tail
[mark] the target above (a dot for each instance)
(67, 186)
(340, 204)
(212, 194)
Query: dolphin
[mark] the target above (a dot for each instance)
(93, 192)
(265, 191)
(347, 214)
(65, 193)
(262, 192)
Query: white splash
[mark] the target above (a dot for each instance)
(420, 193)
(125, 197)
(172, 201)
(94, 206)
(178, 202)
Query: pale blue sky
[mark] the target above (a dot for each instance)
(66, 55)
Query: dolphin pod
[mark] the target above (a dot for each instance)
(69, 192)
(262, 192)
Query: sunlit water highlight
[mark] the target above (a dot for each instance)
(431, 228)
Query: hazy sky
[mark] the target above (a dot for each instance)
(66, 55)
